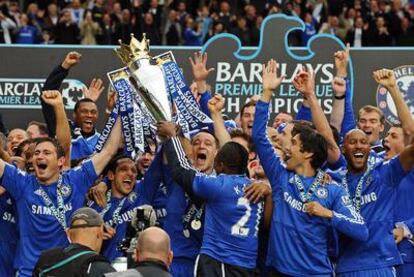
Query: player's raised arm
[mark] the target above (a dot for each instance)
(304, 82)
(181, 170)
(101, 159)
(386, 78)
(268, 158)
(54, 99)
(215, 105)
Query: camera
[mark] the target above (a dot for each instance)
(142, 218)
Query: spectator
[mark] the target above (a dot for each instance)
(86, 233)
(310, 28)
(251, 15)
(332, 27)
(67, 32)
(256, 31)
(406, 37)
(123, 29)
(89, 29)
(182, 13)
(205, 21)
(242, 32)
(150, 28)
(26, 34)
(107, 34)
(7, 26)
(381, 35)
(192, 33)
(228, 19)
(358, 36)
(52, 18)
(98, 11)
(77, 11)
(156, 11)
(172, 30)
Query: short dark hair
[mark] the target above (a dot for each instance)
(113, 163)
(251, 103)
(83, 100)
(20, 147)
(234, 157)
(238, 133)
(42, 127)
(207, 132)
(59, 149)
(312, 142)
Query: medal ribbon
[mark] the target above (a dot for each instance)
(305, 196)
(358, 191)
(59, 212)
(115, 215)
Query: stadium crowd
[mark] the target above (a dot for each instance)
(192, 23)
(292, 197)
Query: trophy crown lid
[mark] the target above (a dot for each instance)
(134, 51)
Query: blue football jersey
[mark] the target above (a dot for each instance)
(128, 206)
(231, 222)
(403, 211)
(185, 241)
(298, 242)
(8, 234)
(83, 147)
(39, 230)
(377, 204)
(144, 193)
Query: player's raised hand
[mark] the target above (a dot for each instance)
(385, 77)
(257, 190)
(199, 66)
(95, 90)
(304, 82)
(71, 59)
(167, 129)
(216, 104)
(341, 61)
(52, 97)
(316, 209)
(270, 79)
(98, 194)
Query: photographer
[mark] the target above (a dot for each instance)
(153, 255)
(81, 257)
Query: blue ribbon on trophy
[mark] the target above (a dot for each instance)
(147, 89)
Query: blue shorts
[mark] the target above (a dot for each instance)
(182, 267)
(380, 272)
(405, 270)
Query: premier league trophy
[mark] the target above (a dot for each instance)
(149, 89)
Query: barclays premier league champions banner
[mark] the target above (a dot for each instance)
(237, 76)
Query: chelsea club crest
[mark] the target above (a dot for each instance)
(404, 76)
(322, 193)
(132, 197)
(66, 190)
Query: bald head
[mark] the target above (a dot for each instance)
(154, 244)
(355, 132)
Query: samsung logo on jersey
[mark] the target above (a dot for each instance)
(368, 198)
(43, 210)
(125, 217)
(18, 93)
(296, 204)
